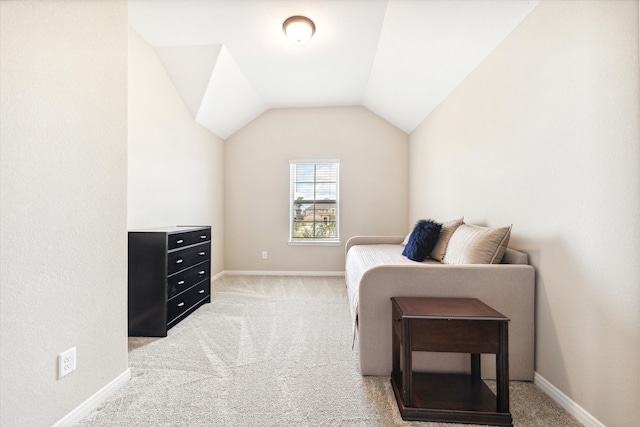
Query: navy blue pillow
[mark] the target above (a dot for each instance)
(422, 240)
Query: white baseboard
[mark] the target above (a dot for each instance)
(94, 401)
(279, 273)
(577, 411)
(217, 276)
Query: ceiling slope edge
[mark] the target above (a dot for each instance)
(453, 39)
(212, 86)
(190, 69)
(230, 100)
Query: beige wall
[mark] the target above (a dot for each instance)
(63, 247)
(545, 135)
(175, 165)
(373, 188)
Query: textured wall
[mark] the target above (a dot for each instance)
(63, 277)
(175, 165)
(373, 187)
(544, 135)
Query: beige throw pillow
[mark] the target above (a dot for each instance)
(471, 244)
(406, 239)
(443, 239)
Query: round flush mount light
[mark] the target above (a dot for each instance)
(298, 29)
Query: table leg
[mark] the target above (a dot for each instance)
(476, 374)
(502, 368)
(407, 381)
(395, 350)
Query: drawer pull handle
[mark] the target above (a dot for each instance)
(202, 253)
(201, 291)
(180, 304)
(181, 282)
(201, 272)
(179, 261)
(180, 241)
(204, 236)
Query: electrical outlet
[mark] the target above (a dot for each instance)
(264, 254)
(66, 362)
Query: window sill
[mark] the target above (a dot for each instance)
(314, 243)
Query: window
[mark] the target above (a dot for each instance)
(313, 201)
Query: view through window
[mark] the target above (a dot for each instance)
(314, 201)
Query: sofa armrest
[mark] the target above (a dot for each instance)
(508, 288)
(372, 240)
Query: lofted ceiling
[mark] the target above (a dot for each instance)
(230, 60)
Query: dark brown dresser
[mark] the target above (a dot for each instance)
(169, 277)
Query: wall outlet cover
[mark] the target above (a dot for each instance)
(66, 362)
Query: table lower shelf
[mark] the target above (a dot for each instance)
(449, 398)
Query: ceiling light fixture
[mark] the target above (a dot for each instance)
(299, 29)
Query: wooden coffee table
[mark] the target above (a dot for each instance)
(459, 325)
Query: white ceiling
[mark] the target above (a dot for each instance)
(230, 60)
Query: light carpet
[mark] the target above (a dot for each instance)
(271, 351)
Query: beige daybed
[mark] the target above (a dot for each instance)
(376, 270)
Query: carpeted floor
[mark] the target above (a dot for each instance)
(271, 351)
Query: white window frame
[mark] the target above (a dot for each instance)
(320, 241)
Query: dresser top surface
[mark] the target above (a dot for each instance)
(171, 229)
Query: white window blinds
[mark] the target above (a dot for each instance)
(314, 201)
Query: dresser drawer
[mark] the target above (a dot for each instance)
(179, 260)
(180, 240)
(187, 278)
(181, 303)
